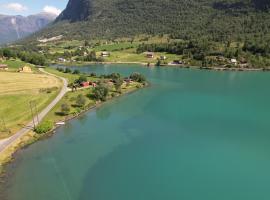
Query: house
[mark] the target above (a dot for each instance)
(163, 57)
(61, 59)
(177, 62)
(150, 54)
(234, 61)
(3, 67)
(26, 69)
(105, 54)
(84, 84)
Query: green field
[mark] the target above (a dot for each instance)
(16, 91)
(70, 77)
(14, 65)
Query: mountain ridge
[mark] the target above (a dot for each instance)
(186, 19)
(14, 27)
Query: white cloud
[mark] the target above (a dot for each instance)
(52, 10)
(15, 7)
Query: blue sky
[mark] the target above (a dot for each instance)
(27, 7)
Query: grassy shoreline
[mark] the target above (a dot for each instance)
(9, 153)
(214, 68)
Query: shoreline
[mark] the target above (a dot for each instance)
(32, 137)
(182, 66)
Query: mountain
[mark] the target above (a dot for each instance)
(217, 20)
(13, 28)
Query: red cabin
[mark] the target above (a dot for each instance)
(85, 84)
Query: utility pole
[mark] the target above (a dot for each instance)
(32, 114)
(4, 124)
(36, 112)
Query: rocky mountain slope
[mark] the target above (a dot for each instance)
(13, 28)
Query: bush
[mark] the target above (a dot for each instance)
(65, 109)
(101, 92)
(81, 79)
(137, 77)
(81, 100)
(76, 71)
(44, 127)
(67, 70)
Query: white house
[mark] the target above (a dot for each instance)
(234, 61)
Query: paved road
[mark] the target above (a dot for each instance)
(6, 142)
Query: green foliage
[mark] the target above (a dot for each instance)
(76, 71)
(137, 77)
(81, 79)
(67, 70)
(118, 83)
(80, 100)
(65, 109)
(44, 127)
(214, 20)
(101, 92)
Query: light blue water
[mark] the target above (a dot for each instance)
(191, 135)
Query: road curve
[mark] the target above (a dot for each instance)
(8, 141)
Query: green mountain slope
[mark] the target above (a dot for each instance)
(218, 20)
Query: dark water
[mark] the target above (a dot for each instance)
(192, 135)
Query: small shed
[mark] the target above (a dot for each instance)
(105, 54)
(150, 54)
(3, 67)
(163, 57)
(26, 69)
(234, 61)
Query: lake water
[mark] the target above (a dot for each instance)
(191, 135)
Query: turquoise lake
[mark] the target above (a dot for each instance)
(191, 135)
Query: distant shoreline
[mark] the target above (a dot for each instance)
(216, 68)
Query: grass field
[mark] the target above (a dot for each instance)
(129, 55)
(14, 65)
(70, 77)
(16, 91)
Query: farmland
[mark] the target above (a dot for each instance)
(16, 92)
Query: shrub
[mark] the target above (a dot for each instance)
(81, 79)
(137, 77)
(81, 100)
(101, 92)
(76, 71)
(65, 109)
(44, 127)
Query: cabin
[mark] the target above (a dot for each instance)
(233, 61)
(105, 54)
(84, 84)
(61, 59)
(177, 62)
(163, 57)
(150, 54)
(25, 69)
(3, 67)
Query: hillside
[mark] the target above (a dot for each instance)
(218, 20)
(13, 28)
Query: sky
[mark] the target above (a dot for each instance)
(28, 7)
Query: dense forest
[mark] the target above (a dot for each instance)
(215, 20)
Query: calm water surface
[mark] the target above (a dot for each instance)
(192, 135)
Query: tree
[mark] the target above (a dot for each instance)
(65, 109)
(76, 71)
(101, 92)
(117, 84)
(81, 100)
(67, 70)
(137, 77)
(81, 79)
